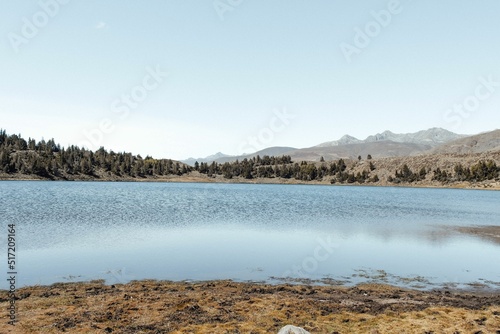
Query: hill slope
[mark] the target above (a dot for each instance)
(484, 142)
(378, 149)
(385, 144)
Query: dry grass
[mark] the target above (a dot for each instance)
(228, 307)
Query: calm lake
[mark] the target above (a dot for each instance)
(75, 231)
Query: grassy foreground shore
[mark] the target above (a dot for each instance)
(230, 307)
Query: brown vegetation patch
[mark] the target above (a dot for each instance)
(229, 307)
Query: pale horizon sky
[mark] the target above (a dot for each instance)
(184, 78)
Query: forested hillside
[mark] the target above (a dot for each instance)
(20, 158)
(49, 160)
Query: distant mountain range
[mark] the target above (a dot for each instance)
(221, 157)
(432, 137)
(210, 158)
(380, 145)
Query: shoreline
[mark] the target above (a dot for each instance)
(371, 278)
(493, 186)
(150, 306)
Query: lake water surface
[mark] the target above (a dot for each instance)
(75, 231)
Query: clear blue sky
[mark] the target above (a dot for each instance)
(231, 64)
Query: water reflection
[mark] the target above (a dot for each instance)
(124, 231)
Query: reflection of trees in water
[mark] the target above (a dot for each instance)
(433, 235)
(488, 233)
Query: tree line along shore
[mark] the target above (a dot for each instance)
(29, 159)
